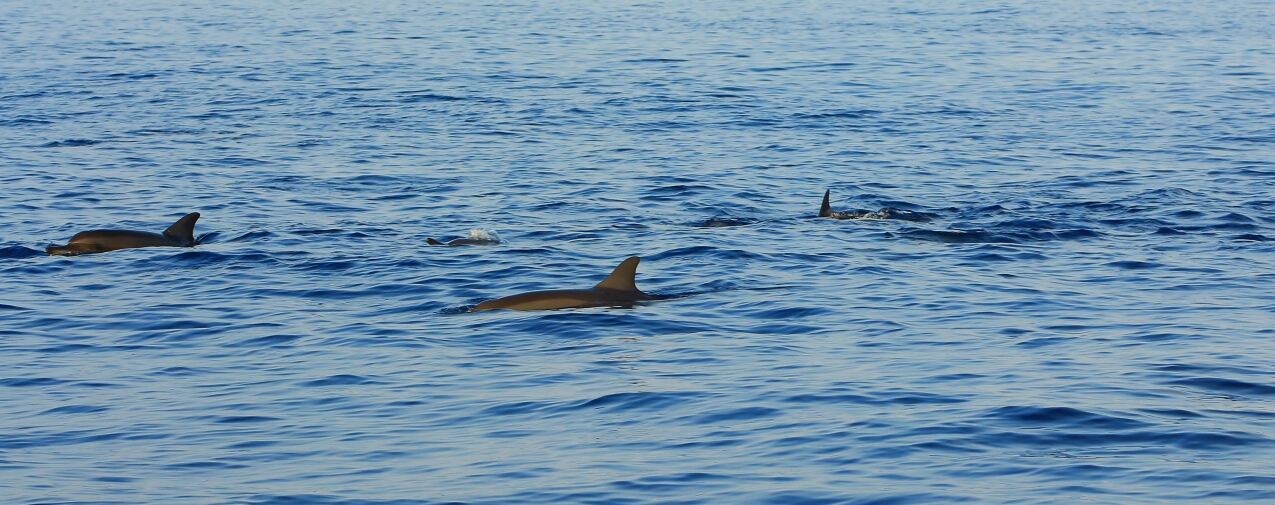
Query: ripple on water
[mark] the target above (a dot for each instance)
(1049, 288)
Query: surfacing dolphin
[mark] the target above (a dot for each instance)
(180, 234)
(619, 288)
(476, 237)
(825, 210)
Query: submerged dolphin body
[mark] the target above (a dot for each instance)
(476, 237)
(180, 234)
(619, 288)
(825, 210)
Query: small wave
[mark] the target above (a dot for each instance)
(891, 398)
(736, 415)
(307, 143)
(339, 380)
(329, 266)
(676, 192)
(993, 237)
(18, 252)
(376, 180)
(245, 419)
(957, 236)
(133, 75)
(178, 371)
(1231, 226)
(325, 231)
(1134, 265)
(431, 97)
(166, 131)
(635, 401)
(724, 222)
(1235, 217)
(1063, 417)
(515, 408)
(327, 206)
(1173, 413)
(238, 161)
(990, 257)
(1042, 342)
(24, 122)
(193, 258)
(266, 341)
(707, 251)
(838, 114)
(656, 60)
(17, 382)
(72, 143)
(1227, 386)
(76, 409)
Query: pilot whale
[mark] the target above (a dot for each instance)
(180, 234)
(619, 288)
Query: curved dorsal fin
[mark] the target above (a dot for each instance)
(183, 231)
(621, 279)
(825, 210)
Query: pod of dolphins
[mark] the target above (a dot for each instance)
(619, 288)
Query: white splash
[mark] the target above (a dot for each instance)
(484, 235)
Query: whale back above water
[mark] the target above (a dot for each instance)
(825, 210)
(619, 288)
(476, 237)
(180, 234)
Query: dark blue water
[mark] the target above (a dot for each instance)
(1082, 310)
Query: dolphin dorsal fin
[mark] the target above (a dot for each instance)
(183, 230)
(621, 279)
(825, 210)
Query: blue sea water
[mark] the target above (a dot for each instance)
(1082, 312)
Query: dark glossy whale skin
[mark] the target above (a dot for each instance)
(180, 234)
(618, 288)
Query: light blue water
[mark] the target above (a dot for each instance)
(1087, 318)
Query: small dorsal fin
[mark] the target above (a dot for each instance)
(825, 210)
(621, 279)
(183, 231)
(431, 241)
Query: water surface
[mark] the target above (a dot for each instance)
(1084, 314)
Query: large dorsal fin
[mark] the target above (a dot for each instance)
(183, 231)
(621, 279)
(825, 210)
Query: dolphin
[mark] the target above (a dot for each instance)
(180, 234)
(619, 288)
(476, 237)
(825, 210)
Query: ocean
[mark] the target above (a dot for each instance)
(1056, 288)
